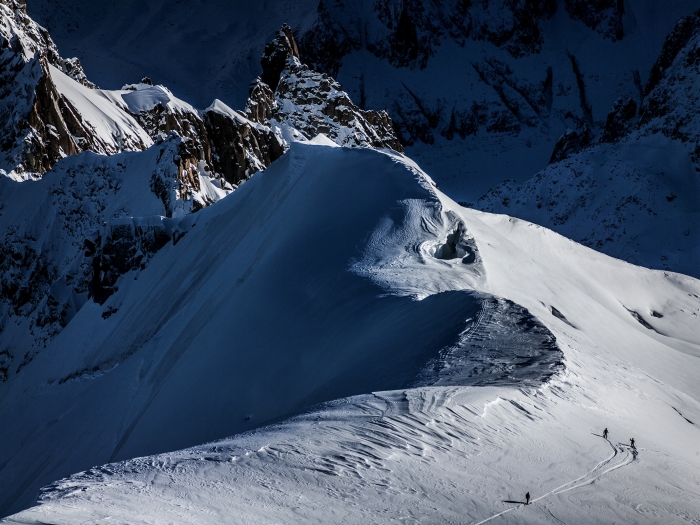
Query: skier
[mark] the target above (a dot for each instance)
(632, 443)
(605, 433)
(527, 498)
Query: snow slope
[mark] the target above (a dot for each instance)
(634, 195)
(114, 127)
(343, 272)
(50, 237)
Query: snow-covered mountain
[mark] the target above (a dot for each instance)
(635, 193)
(172, 275)
(482, 90)
(506, 347)
(101, 216)
(482, 94)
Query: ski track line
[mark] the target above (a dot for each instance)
(581, 481)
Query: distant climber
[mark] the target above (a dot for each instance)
(527, 498)
(632, 443)
(605, 433)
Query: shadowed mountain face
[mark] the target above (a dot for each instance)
(233, 327)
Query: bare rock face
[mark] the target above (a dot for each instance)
(241, 147)
(161, 121)
(123, 245)
(274, 59)
(261, 104)
(34, 133)
(38, 124)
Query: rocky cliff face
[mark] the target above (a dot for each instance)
(672, 96)
(310, 102)
(39, 123)
(69, 237)
(407, 33)
(603, 16)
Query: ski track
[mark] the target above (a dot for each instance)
(628, 455)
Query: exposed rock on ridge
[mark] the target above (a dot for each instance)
(45, 126)
(311, 103)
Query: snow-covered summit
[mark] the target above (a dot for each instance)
(193, 159)
(304, 103)
(49, 109)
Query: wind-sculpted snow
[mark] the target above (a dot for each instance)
(502, 345)
(260, 312)
(265, 306)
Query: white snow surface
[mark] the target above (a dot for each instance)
(117, 130)
(144, 97)
(318, 279)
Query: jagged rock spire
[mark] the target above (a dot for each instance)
(274, 59)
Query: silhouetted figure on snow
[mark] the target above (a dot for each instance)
(605, 433)
(527, 498)
(632, 443)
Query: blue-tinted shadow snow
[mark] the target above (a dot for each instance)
(253, 317)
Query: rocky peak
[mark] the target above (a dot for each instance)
(310, 102)
(313, 103)
(74, 69)
(261, 104)
(39, 124)
(274, 59)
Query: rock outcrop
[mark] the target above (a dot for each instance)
(241, 147)
(621, 120)
(408, 33)
(570, 143)
(311, 103)
(274, 59)
(672, 92)
(38, 122)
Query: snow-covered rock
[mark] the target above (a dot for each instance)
(634, 193)
(462, 81)
(77, 247)
(47, 115)
(64, 241)
(310, 103)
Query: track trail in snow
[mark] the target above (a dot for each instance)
(622, 456)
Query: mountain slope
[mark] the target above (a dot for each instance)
(634, 194)
(230, 328)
